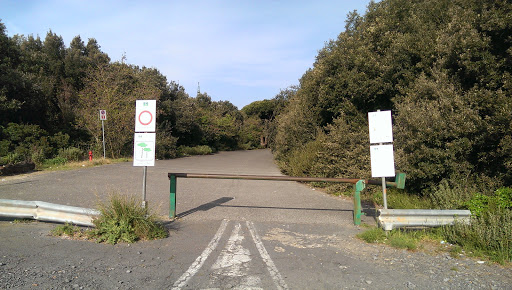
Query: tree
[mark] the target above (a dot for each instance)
(114, 88)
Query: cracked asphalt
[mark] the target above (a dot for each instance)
(229, 234)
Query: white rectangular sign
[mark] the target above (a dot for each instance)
(381, 127)
(145, 116)
(103, 115)
(382, 160)
(144, 149)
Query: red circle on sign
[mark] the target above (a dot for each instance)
(150, 118)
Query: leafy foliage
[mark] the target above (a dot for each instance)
(442, 67)
(50, 95)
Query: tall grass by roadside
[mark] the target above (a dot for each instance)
(123, 219)
(488, 236)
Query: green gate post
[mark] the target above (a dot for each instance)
(172, 196)
(359, 186)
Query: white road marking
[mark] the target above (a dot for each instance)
(276, 276)
(234, 258)
(198, 263)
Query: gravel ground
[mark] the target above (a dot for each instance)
(309, 236)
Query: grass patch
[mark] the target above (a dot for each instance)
(403, 241)
(399, 199)
(67, 230)
(123, 219)
(487, 236)
(23, 221)
(398, 238)
(60, 164)
(373, 235)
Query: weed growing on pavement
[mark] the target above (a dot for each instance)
(401, 240)
(374, 235)
(398, 238)
(23, 221)
(123, 219)
(66, 229)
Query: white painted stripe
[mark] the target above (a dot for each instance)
(233, 260)
(198, 263)
(276, 276)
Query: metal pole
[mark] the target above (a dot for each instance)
(144, 204)
(172, 196)
(103, 130)
(384, 197)
(358, 187)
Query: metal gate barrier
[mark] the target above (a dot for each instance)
(359, 185)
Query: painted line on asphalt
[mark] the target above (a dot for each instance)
(276, 276)
(198, 263)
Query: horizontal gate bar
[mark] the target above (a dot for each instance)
(278, 178)
(262, 177)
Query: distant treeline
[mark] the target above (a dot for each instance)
(50, 97)
(443, 67)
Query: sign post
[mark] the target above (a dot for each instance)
(381, 156)
(103, 117)
(144, 139)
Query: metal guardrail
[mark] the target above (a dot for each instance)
(359, 185)
(45, 211)
(394, 218)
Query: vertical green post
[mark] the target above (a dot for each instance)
(358, 187)
(172, 196)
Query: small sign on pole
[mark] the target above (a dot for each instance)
(382, 160)
(103, 117)
(381, 128)
(144, 149)
(145, 139)
(381, 156)
(145, 116)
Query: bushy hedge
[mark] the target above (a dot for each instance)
(442, 67)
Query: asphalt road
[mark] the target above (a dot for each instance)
(229, 234)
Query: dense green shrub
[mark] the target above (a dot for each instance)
(31, 143)
(197, 150)
(55, 161)
(166, 146)
(445, 78)
(11, 158)
(71, 154)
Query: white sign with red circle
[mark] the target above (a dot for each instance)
(103, 115)
(145, 116)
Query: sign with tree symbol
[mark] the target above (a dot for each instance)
(144, 149)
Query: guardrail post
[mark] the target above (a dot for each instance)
(358, 187)
(172, 196)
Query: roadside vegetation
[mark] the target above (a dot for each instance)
(444, 70)
(51, 94)
(122, 219)
(443, 67)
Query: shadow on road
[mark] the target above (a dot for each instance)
(221, 203)
(206, 206)
(291, 208)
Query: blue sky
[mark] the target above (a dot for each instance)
(240, 51)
